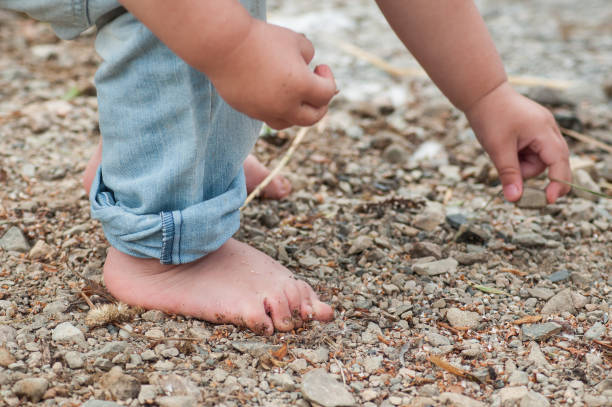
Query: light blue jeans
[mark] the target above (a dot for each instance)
(171, 181)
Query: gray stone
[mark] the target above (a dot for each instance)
(120, 385)
(372, 363)
(425, 249)
(559, 276)
(282, 381)
(529, 240)
(518, 378)
(459, 318)
(100, 403)
(533, 399)
(153, 316)
(540, 332)
(67, 333)
(583, 178)
(56, 307)
(537, 357)
(456, 220)
(430, 218)
(6, 358)
(541, 293)
(562, 302)
(395, 154)
(13, 240)
(176, 401)
(322, 388)
(467, 259)
(147, 394)
(579, 300)
(510, 396)
(434, 268)
(532, 199)
(597, 331)
(360, 244)
(254, 348)
(74, 359)
(40, 250)
(319, 355)
(31, 388)
(459, 400)
(175, 385)
(472, 234)
(7, 334)
(435, 339)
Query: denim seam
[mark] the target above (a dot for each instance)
(178, 246)
(167, 238)
(87, 13)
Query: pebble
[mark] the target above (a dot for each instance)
(541, 293)
(100, 403)
(254, 348)
(472, 234)
(540, 332)
(435, 339)
(372, 363)
(459, 400)
(67, 333)
(282, 381)
(529, 240)
(532, 199)
(435, 268)
(7, 334)
(322, 388)
(425, 249)
(153, 316)
(176, 401)
(31, 388)
(395, 153)
(6, 358)
(518, 378)
(120, 385)
(147, 393)
(510, 396)
(360, 244)
(561, 302)
(13, 240)
(74, 359)
(433, 215)
(459, 318)
(536, 356)
(456, 220)
(40, 250)
(597, 331)
(583, 179)
(534, 399)
(560, 275)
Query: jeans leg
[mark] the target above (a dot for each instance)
(171, 182)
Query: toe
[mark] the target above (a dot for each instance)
(322, 311)
(278, 309)
(278, 188)
(294, 299)
(257, 320)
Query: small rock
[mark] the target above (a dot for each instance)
(6, 358)
(13, 240)
(541, 293)
(395, 154)
(434, 268)
(540, 332)
(254, 348)
(435, 339)
(562, 302)
(74, 359)
(67, 333)
(532, 199)
(120, 385)
(529, 240)
(533, 399)
(579, 300)
(518, 378)
(322, 388)
(176, 401)
(559, 276)
(7, 334)
(31, 388)
(456, 220)
(282, 381)
(372, 363)
(467, 259)
(472, 234)
(597, 331)
(153, 316)
(458, 318)
(583, 179)
(360, 244)
(425, 249)
(510, 396)
(154, 333)
(536, 356)
(459, 400)
(430, 218)
(40, 250)
(147, 393)
(319, 355)
(56, 307)
(100, 403)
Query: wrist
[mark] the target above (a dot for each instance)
(481, 109)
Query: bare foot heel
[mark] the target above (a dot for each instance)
(236, 284)
(256, 172)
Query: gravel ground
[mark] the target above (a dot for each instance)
(444, 293)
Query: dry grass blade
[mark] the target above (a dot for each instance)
(599, 194)
(607, 345)
(380, 63)
(584, 138)
(443, 364)
(296, 141)
(529, 319)
(515, 272)
(280, 353)
(108, 314)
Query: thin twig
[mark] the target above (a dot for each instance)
(599, 194)
(380, 63)
(296, 141)
(341, 367)
(586, 139)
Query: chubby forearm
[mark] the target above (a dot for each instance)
(201, 32)
(452, 43)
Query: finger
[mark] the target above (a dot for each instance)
(320, 88)
(556, 158)
(506, 161)
(278, 124)
(306, 48)
(531, 165)
(562, 171)
(307, 115)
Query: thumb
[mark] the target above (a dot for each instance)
(324, 71)
(507, 164)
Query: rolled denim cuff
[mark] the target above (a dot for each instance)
(173, 237)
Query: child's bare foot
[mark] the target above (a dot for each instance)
(237, 284)
(254, 171)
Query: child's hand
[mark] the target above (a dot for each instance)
(522, 139)
(267, 77)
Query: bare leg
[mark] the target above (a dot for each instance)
(254, 171)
